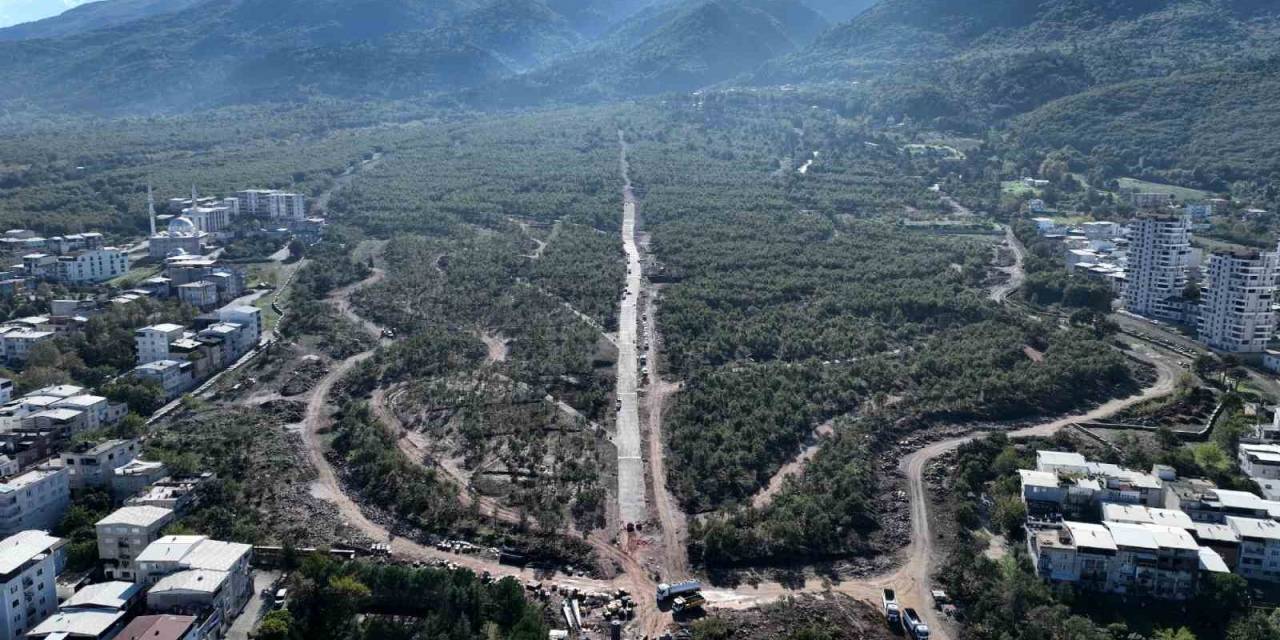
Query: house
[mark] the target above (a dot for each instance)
(30, 561)
(36, 499)
(162, 627)
(201, 294)
(65, 422)
(95, 612)
(1259, 460)
(97, 409)
(248, 317)
(124, 533)
(1259, 548)
(94, 466)
(18, 343)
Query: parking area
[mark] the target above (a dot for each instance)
(259, 604)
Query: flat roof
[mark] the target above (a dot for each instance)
(164, 327)
(169, 548)
(89, 623)
(104, 595)
(1215, 532)
(192, 580)
(216, 555)
(31, 477)
(82, 400)
(1092, 536)
(21, 547)
(1255, 528)
(1039, 478)
(1239, 499)
(1062, 458)
(1212, 562)
(138, 516)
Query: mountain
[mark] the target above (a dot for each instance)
(94, 15)
(1003, 57)
(836, 11)
(673, 47)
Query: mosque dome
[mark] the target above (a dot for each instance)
(182, 225)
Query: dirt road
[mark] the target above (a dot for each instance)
(631, 493)
(671, 519)
(1017, 273)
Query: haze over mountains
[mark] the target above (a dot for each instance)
(964, 63)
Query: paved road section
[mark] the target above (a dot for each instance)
(631, 498)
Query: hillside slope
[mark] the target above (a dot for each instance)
(103, 14)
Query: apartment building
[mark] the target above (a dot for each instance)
(201, 294)
(94, 466)
(173, 377)
(153, 341)
(1204, 502)
(189, 573)
(36, 499)
(1259, 548)
(97, 409)
(1156, 271)
(126, 533)
(1067, 483)
(30, 561)
(134, 477)
(163, 627)
(95, 612)
(1236, 313)
(97, 265)
(1145, 560)
(1259, 460)
(248, 317)
(17, 343)
(279, 205)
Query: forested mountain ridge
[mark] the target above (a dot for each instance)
(996, 58)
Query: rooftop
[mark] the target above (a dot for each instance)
(193, 580)
(76, 624)
(22, 547)
(17, 483)
(1212, 562)
(1254, 528)
(1043, 479)
(85, 401)
(104, 595)
(1092, 536)
(1214, 532)
(137, 516)
(1059, 458)
(166, 627)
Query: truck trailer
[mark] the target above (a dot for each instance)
(914, 627)
(666, 592)
(892, 612)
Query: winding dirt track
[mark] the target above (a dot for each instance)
(911, 580)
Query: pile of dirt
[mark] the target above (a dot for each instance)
(829, 615)
(304, 376)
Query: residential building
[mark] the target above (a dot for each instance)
(1151, 200)
(1259, 460)
(94, 466)
(98, 265)
(1221, 538)
(18, 343)
(1065, 482)
(1259, 548)
(248, 317)
(153, 341)
(179, 494)
(97, 409)
(1236, 313)
(174, 377)
(29, 563)
(126, 533)
(1138, 514)
(6, 390)
(162, 627)
(194, 573)
(36, 499)
(64, 423)
(1156, 270)
(95, 612)
(134, 477)
(1204, 502)
(1144, 560)
(201, 294)
(272, 204)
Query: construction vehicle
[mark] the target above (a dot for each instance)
(666, 592)
(892, 612)
(914, 627)
(686, 603)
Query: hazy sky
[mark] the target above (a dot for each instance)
(15, 11)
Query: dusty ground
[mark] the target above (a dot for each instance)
(839, 615)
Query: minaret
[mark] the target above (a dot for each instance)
(193, 198)
(151, 209)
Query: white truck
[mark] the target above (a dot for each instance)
(913, 626)
(892, 612)
(667, 592)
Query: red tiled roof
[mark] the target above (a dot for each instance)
(164, 627)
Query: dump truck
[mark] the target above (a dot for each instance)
(914, 627)
(686, 603)
(666, 592)
(892, 612)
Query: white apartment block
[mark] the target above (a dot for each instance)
(248, 317)
(185, 571)
(1236, 312)
(36, 499)
(174, 377)
(153, 341)
(1259, 548)
(273, 204)
(97, 409)
(126, 533)
(1157, 268)
(29, 563)
(1260, 460)
(212, 217)
(95, 466)
(1136, 559)
(17, 343)
(97, 265)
